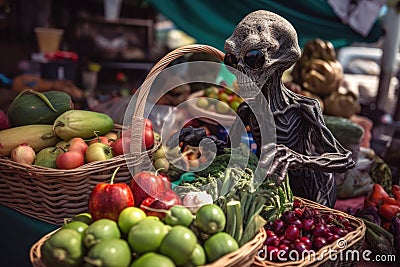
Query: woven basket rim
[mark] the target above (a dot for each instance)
(351, 239)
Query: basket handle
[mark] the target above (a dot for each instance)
(137, 118)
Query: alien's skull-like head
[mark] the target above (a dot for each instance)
(263, 44)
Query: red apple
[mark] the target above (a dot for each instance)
(108, 200)
(121, 146)
(146, 184)
(167, 180)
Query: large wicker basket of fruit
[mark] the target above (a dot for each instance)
(50, 162)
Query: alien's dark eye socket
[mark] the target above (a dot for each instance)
(254, 59)
(230, 60)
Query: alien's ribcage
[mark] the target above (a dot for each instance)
(293, 131)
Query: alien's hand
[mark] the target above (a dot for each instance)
(278, 159)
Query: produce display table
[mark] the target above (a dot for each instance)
(18, 233)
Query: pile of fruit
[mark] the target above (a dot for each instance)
(143, 223)
(303, 229)
(44, 130)
(222, 100)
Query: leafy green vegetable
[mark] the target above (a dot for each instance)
(230, 179)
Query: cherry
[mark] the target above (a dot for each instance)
(272, 253)
(296, 204)
(319, 242)
(292, 232)
(278, 226)
(306, 241)
(270, 232)
(307, 224)
(300, 246)
(297, 222)
(319, 230)
(272, 240)
(298, 212)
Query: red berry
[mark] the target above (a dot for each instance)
(278, 226)
(292, 232)
(319, 242)
(306, 241)
(319, 230)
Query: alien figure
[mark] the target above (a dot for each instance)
(262, 46)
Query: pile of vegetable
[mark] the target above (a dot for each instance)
(386, 206)
(122, 229)
(381, 215)
(44, 130)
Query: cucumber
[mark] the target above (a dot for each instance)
(31, 107)
(37, 136)
(82, 123)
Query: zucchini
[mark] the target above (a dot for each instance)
(31, 107)
(82, 123)
(37, 136)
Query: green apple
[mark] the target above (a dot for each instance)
(211, 91)
(222, 107)
(234, 105)
(224, 97)
(202, 102)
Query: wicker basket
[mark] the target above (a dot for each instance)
(51, 195)
(348, 244)
(244, 257)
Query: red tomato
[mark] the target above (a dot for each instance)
(120, 146)
(148, 124)
(148, 135)
(148, 138)
(77, 144)
(70, 160)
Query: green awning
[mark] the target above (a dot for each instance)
(212, 21)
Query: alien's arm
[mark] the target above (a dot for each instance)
(334, 157)
(338, 158)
